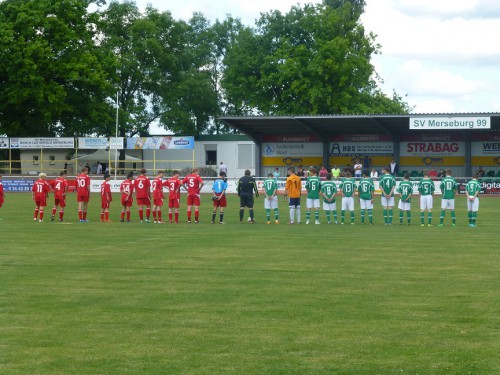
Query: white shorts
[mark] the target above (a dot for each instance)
(271, 203)
(447, 204)
(404, 206)
(426, 202)
(312, 203)
(347, 203)
(473, 205)
(366, 204)
(329, 206)
(387, 202)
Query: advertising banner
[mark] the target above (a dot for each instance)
(448, 122)
(485, 150)
(4, 142)
(160, 143)
(18, 186)
(42, 143)
(92, 143)
(292, 152)
(116, 143)
(369, 149)
(432, 150)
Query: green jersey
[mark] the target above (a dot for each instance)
(313, 186)
(426, 186)
(329, 189)
(366, 188)
(270, 187)
(473, 187)
(348, 187)
(448, 187)
(387, 183)
(405, 189)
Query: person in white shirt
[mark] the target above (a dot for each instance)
(358, 169)
(373, 174)
(393, 167)
(223, 167)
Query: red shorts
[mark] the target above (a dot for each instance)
(158, 202)
(173, 203)
(104, 204)
(220, 202)
(41, 202)
(82, 198)
(143, 202)
(61, 202)
(193, 200)
(127, 203)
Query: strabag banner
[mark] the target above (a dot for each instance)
(432, 150)
(160, 143)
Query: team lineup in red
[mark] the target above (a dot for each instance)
(149, 196)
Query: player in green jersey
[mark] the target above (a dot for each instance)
(366, 189)
(405, 190)
(448, 190)
(313, 187)
(472, 190)
(328, 191)
(426, 189)
(271, 201)
(348, 188)
(387, 185)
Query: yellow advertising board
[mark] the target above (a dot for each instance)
(291, 161)
(429, 161)
(378, 161)
(486, 161)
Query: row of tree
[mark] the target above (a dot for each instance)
(62, 67)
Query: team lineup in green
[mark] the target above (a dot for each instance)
(150, 196)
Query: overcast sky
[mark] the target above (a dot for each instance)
(443, 54)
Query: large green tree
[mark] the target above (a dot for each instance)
(52, 79)
(315, 59)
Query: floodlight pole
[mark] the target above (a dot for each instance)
(116, 130)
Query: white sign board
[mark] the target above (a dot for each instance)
(42, 143)
(292, 149)
(443, 123)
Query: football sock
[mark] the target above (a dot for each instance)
(141, 215)
(268, 214)
(61, 214)
(128, 215)
(276, 214)
(242, 212)
(251, 213)
(122, 216)
(189, 215)
(54, 210)
(292, 214)
(106, 216)
(342, 215)
(170, 216)
(148, 213)
(316, 215)
(328, 216)
(308, 215)
(35, 215)
(385, 216)
(221, 217)
(422, 217)
(84, 215)
(408, 216)
(429, 217)
(390, 216)
(370, 215)
(363, 216)
(453, 218)
(176, 217)
(196, 214)
(297, 212)
(41, 213)
(102, 216)
(352, 216)
(213, 216)
(335, 216)
(401, 213)
(441, 216)
(154, 215)
(158, 214)
(474, 217)
(469, 215)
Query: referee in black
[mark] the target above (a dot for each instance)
(246, 188)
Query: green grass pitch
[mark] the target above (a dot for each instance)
(118, 298)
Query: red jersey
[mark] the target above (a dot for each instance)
(1, 194)
(193, 182)
(142, 187)
(40, 189)
(173, 184)
(83, 185)
(157, 185)
(106, 192)
(60, 186)
(127, 188)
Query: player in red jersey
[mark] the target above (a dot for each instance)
(60, 187)
(83, 194)
(127, 188)
(2, 194)
(106, 199)
(193, 184)
(142, 187)
(158, 196)
(40, 191)
(174, 194)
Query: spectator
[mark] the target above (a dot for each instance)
(480, 172)
(393, 167)
(323, 172)
(373, 174)
(335, 172)
(433, 173)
